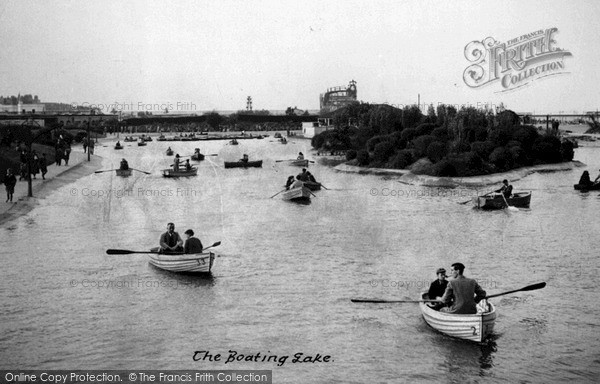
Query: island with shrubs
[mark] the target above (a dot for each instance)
(446, 142)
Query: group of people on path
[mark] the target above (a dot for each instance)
(62, 151)
(89, 145)
(171, 242)
(458, 295)
(32, 163)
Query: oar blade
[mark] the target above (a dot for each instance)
(534, 287)
(216, 244)
(119, 252)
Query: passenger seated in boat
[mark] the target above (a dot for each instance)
(297, 183)
(124, 165)
(169, 149)
(300, 156)
(244, 159)
(289, 183)
(465, 292)
(585, 179)
(176, 163)
(437, 289)
(188, 166)
(506, 189)
(310, 177)
(192, 244)
(303, 176)
(118, 144)
(170, 241)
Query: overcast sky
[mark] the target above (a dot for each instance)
(214, 54)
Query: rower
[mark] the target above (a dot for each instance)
(506, 189)
(289, 182)
(124, 165)
(303, 176)
(188, 166)
(176, 163)
(244, 158)
(300, 156)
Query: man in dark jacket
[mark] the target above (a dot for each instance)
(506, 189)
(170, 241)
(10, 181)
(438, 287)
(465, 292)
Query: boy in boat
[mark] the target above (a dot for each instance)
(466, 292)
(124, 165)
(300, 156)
(303, 176)
(192, 244)
(310, 177)
(506, 189)
(437, 288)
(244, 159)
(170, 241)
(188, 166)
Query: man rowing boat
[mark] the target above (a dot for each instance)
(170, 241)
(465, 292)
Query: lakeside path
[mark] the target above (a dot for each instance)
(56, 177)
(405, 176)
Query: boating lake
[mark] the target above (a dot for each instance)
(286, 273)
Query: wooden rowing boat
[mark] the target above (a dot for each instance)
(180, 173)
(197, 156)
(183, 262)
(587, 187)
(299, 163)
(124, 172)
(476, 327)
(169, 152)
(234, 142)
(298, 194)
(142, 143)
(243, 164)
(118, 147)
(312, 185)
(496, 201)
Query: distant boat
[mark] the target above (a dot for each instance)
(234, 142)
(197, 156)
(243, 164)
(299, 163)
(118, 146)
(124, 172)
(142, 143)
(169, 152)
(496, 201)
(180, 173)
(589, 187)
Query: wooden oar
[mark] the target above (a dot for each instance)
(147, 173)
(324, 186)
(214, 245)
(392, 301)
(276, 194)
(128, 252)
(510, 208)
(108, 170)
(527, 288)
(465, 202)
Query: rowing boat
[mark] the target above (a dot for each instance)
(182, 262)
(180, 173)
(142, 143)
(169, 152)
(587, 187)
(476, 327)
(118, 147)
(312, 185)
(243, 164)
(124, 172)
(298, 194)
(299, 163)
(197, 156)
(496, 201)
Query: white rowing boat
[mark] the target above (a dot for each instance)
(476, 327)
(186, 262)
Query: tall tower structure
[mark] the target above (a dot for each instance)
(249, 104)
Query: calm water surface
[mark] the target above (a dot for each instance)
(287, 272)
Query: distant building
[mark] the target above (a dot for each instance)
(312, 128)
(338, 97)
(22, 108)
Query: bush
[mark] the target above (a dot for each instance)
(483, 149)
(422, 167)
(547, 149)
(408, 134)
(501, 158)
(362, 157)
(383, 151)
(436, 151)
(444, 169)
(441, 133)
(351, 154)
(402, 160)
(500, 136)
(425, 129)
(526, 135)
(566, 150)
(372, 142)
(421, 143)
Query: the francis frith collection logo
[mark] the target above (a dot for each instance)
(515, 63)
